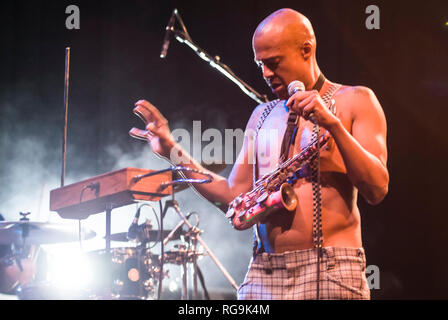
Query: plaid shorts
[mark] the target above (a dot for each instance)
(292, 275)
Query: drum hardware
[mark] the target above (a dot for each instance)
(183, 256)
(186, 253)
(18, 252)
(192, 235)
(173, 204)
(133, 271)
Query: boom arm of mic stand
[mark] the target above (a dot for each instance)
(225, 70)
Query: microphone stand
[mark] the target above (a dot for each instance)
(215, 62)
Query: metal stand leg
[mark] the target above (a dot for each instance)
(195, 268)
(207, 249)
(107, 255)
(184, 281)
(108, 227)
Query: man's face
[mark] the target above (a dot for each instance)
(280, 63)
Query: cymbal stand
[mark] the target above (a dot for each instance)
(184, 279)
(185, 251)
(195, 270)
(193, 233)
(204, 245)
(192, 242)
(20, 253)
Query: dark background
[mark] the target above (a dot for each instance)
(115, 62)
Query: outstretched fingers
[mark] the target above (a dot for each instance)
(156, 116)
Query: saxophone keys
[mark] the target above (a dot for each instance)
(262, 198)
(237, 201)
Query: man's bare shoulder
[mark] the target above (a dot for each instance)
(354, 92)
(356, 99)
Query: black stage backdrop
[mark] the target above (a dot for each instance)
(115, 62)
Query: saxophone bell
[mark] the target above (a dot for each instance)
(284, 198)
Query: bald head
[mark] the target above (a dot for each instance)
(285, 27)
(285, 48)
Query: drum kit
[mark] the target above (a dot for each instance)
(122, 273)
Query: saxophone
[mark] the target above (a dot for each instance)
(272, 192)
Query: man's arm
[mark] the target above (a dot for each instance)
(364, 151)
(220, 189)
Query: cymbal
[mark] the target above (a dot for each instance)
(40, 232)
(152, 235)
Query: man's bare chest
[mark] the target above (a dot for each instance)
(270, 138)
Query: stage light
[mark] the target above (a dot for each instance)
(69, 272)
(173, 286)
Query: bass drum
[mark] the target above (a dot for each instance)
(124, 274)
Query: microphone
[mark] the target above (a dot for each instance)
(133, 228)
(295, 86)
(166, 40)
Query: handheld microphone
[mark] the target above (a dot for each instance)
(133, 228)
(295, 86)
(166, 40)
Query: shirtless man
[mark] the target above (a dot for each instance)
(284, 266)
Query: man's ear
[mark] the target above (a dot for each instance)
(306, 50)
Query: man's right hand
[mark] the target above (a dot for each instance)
(158, 133)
